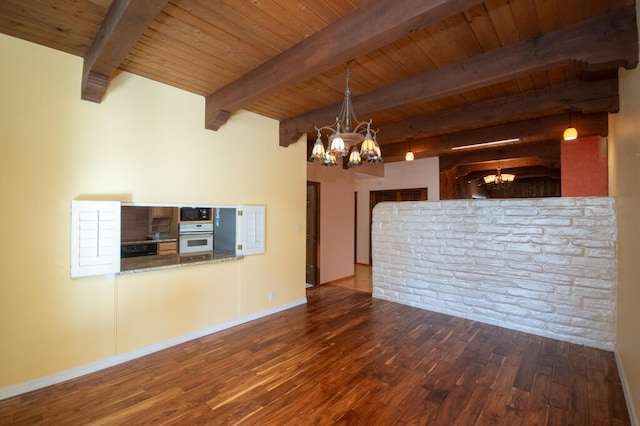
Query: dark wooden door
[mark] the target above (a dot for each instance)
(313, 228)
(375, 197)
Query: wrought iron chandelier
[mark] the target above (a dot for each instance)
(344, 136)
(499, 180)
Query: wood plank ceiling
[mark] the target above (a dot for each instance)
(432, 75)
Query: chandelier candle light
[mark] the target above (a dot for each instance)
(345, 135)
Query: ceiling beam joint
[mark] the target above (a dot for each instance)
(125, 22)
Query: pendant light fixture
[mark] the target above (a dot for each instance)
(570, 133)
(345, 135)
(409, 155)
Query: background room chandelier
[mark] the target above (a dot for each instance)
(344, 136)
(499, 180)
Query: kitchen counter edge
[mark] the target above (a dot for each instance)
(180, 264)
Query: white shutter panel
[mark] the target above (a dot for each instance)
(251, 230)
(95, 238)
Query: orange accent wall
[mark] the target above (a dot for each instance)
(584, 168)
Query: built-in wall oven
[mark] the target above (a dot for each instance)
(196, 238)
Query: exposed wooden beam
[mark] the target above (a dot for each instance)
(551, 126)
(586, 97)
(526, 172)
(604, 42)
(122, 27)
(374, 25)
(507, 165)
(454, 182)
(545, 150)
(542, 149)
(549, 150)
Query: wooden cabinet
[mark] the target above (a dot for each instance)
(134, 221)
(167, 247)
(163, 221)
(162, 212)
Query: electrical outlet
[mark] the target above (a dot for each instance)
(272, 295)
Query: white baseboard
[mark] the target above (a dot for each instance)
(627, 391)
(62, 376)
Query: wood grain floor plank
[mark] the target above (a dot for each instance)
(527, 369)
(537, 409)
(557, 417)
(472, 408)
(496, 409)
(344, 358)
(578, 399)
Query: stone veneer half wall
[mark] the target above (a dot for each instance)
(545, 266)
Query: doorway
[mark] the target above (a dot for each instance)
(375, 197)
(313, 230)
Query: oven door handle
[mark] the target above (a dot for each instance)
(196, 234)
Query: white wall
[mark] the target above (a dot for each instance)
(423, 173)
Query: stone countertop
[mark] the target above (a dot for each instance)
(168, 261)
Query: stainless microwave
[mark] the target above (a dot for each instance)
(194, 213)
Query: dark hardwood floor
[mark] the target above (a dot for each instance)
(345, 358)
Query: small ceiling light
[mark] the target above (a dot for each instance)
(570, 133)
(409, 155)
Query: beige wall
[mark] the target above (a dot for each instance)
(624, 185)
(145, 143)
(624, 179)
(337, 204)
